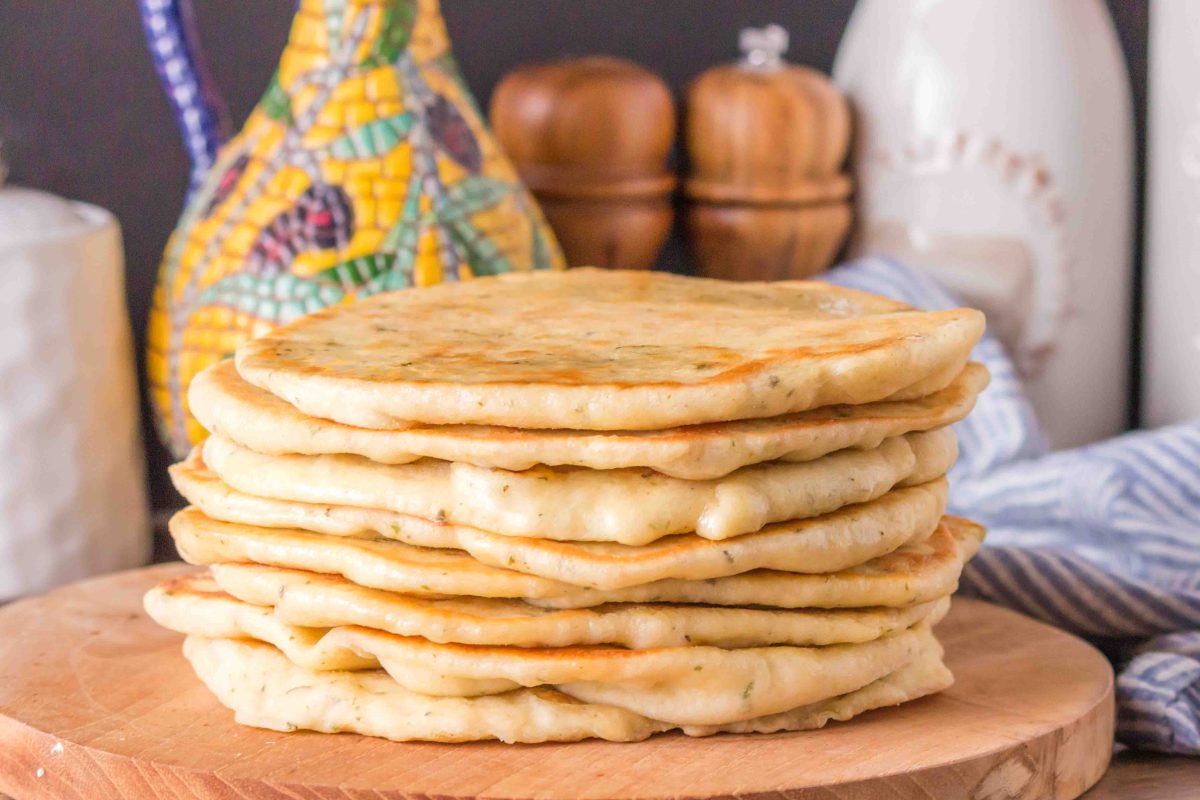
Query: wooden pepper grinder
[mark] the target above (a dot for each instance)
(591, 138)
(767, 142)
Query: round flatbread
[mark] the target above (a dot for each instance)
(227, 405)
(378, 563)
(916, 572)
(843, 539)
(629, 506)
(313, 600)
(606, 350)
(691, 685)
(803, 545)
(265, 690)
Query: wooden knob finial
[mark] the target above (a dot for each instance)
(763, 48)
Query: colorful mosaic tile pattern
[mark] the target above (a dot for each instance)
(365, 167)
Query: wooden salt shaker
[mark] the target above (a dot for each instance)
(591, 138)
(767, 142)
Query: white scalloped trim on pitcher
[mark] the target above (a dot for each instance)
(1037, 235)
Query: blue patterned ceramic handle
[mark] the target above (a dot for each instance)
(202, 116)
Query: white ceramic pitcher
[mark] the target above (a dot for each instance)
(72, 491)
(994, 148)
(1171, 362)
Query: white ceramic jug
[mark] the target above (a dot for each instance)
(994, 149)
(1171, 363)
(72, 492)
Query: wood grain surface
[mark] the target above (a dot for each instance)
(96, 702)
(1148, 776)
(740, 242)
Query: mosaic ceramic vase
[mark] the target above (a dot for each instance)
(365, 167)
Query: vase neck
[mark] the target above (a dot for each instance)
(320, 27)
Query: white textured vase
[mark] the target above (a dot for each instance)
(72, 493)
(994, 148)
(1171, 363)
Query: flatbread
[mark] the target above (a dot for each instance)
(843, 539)
(314, 600)
(915, 573)
(378, 563)
(606, 350)
(902, 515)
(265, 690)
(691, 685)
(227, 405)
(629, 506)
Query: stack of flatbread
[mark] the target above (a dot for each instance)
(553, 506)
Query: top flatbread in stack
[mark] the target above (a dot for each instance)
(553, 506)
(609, 351)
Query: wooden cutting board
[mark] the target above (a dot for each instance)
(96, 702)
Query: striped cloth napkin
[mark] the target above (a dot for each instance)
(1103, 540)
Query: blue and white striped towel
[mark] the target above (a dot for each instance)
(1103, 540)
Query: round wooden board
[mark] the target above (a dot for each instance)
(96, 702)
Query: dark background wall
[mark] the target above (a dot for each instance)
(82, 114)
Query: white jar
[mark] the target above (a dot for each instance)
(994, 148)
(1171, 362)
(72, 491)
